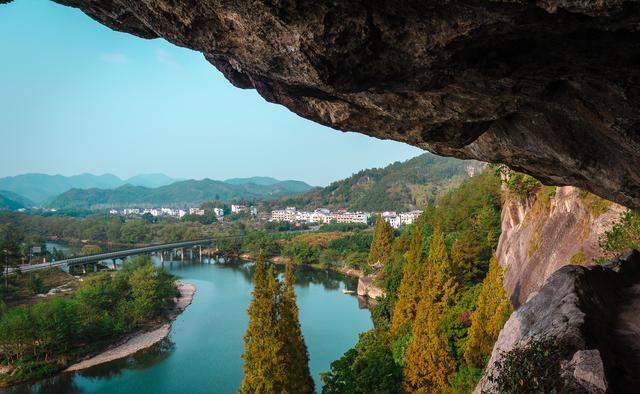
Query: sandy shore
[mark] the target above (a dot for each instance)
(141, 340)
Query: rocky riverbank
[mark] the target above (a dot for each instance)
(141, 340)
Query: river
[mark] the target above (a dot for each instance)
(203, 351)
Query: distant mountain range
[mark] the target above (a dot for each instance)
(42, 187)
(177, 193)
(400, 186)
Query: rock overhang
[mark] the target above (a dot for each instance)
(550, 88)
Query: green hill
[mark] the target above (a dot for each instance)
(400, 186)
(13, 201)
(176, 194)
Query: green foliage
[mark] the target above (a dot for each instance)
(90, 249)
(367, 368)
(106, 305)
(301, 252)
(623, 236)
(295, 355)
(456, 320)
(522, 185)
(260, 242)
(275, 358)
(465, 380)
(345, 227)
(487, 320)
(400, 186)
(380, 250)
(532, 368)
(209, 217)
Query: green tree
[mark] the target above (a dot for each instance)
(367, 368)
(263, 362)
(489, 317)
(382, 241)
(90, 249)
(428, 361)
(294, 350)
(411, 284)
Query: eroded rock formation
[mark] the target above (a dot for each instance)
(594, 310)
(542, 233)
(549, 87)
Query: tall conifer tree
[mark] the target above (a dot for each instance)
(411, 284)
(487, 320)
(380, 250)
(295, 355)
(427, 357)
(263, 362)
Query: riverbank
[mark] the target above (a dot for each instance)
(141, 340)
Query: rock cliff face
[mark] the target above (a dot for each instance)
(542, 233)
(595, 311)
(548, 87)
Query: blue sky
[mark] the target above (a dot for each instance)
(77, 97)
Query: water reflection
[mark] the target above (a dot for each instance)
(203, 354)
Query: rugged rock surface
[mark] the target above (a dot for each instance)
(586, 307)
(549, 87)
(542, 233)
(367, 288)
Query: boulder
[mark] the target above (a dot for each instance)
(367, 288)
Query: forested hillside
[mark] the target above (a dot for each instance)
(400, 186)
(178, 193)
(444, 300)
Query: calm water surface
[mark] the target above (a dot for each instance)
(202, 353)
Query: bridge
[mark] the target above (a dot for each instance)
(93, 259)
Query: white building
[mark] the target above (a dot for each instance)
(253, 210)
(409, 217)
(219, 212)
(392, 218)
(196, 211)
(113, 211)
(284, 215)
(238, 208)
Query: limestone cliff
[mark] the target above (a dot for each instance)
(546, 231)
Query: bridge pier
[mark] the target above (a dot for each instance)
(115, 266)
(181, 254)
(162, 258)
(84, 269)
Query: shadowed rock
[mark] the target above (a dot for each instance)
(594, 311)
(548, 87)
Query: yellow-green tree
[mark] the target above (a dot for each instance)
(428, 361)
(294, 351)
(487, 320)
(411, 284)
(380, 250)
(466, 258)
(263, 361)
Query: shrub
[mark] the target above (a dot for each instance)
(522, 185)
(532, 368)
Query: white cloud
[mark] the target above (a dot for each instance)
(114, 58)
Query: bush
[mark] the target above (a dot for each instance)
(522, 185)
(532, 368)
